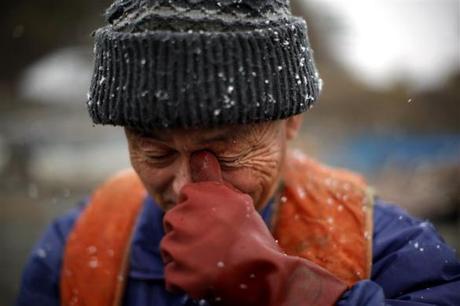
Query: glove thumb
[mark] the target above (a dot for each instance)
(204, 166)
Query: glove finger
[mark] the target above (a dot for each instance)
(204, 166)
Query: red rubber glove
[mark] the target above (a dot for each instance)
(218, 248)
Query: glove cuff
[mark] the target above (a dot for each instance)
(306, 283)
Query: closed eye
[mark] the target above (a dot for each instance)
(160, 159)
(227, 159)
(228, 162)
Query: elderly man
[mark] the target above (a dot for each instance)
(216, 210)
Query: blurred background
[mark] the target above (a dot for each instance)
(389, 109)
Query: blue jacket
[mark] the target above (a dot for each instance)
(411, 264)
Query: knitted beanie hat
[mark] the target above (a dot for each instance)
(201, 63)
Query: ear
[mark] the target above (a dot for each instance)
(293, 125)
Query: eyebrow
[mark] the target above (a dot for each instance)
(156, 135)
(219, 137)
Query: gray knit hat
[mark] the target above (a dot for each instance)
(201, 63)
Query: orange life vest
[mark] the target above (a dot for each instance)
(324, 215)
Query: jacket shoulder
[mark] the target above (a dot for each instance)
(40, 278)
(411, 261)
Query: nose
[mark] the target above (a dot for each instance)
(182, 176)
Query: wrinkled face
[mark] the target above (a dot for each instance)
(251, 157)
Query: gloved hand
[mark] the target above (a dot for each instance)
(218, 248)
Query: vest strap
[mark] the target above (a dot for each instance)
(97, 251)
(325, 216)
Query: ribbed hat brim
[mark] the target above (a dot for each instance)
(164, 79)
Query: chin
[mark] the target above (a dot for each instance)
(164, 204)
